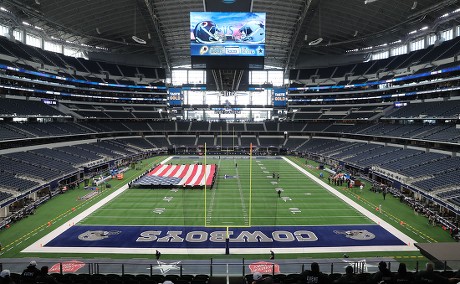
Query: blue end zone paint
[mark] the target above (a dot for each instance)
(200, 237)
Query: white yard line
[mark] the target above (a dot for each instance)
(397, 233)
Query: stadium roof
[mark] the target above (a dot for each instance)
(292, 25)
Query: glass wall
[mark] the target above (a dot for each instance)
(33, 40)
(447, 34)
(231, 106)
(73, 52)
(242, 115)
(402, 49)
(417, 44)
(188, 76)
(380, 55)
(51, 46)
(17, 35)
(432, 39)
(275, 77)
(4, 30)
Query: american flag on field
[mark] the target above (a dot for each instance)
(180, 175)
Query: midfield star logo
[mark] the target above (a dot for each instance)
(166, 267)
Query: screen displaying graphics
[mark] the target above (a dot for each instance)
(279, 98)
(227, 34)
(175, 96)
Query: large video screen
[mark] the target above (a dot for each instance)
(227, 34)
(227, 40)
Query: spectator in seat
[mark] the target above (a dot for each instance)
(430, 276)
(5, 277)
(44, 277)
(402, 276)
(383, 276)
(258, 278)
(348, 278)
(30, 273)
(313, 276)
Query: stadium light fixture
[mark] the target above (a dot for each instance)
(138, 40)
(316, 41)
(320, 38)
(135, 37)
(369, 1)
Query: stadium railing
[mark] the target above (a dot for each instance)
(222, 267)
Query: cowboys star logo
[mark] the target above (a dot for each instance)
(166, 267)
(359, 235)
(97, 235)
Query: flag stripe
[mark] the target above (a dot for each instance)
(184, 172)
(190, 175)
(169, 172)
(177, 169)
(210, 175)
(198, 176)
(188, 178)
(155, 171)
(164, 171)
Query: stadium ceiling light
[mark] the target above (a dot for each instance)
(134, 37)
(320, 39)
(369, 1)
(3, 9)
(316, 41)
(138, 40)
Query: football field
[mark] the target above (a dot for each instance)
(254, 205)
(231, 202)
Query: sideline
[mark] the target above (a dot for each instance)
(390, 228)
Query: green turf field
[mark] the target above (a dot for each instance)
(230, 203)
